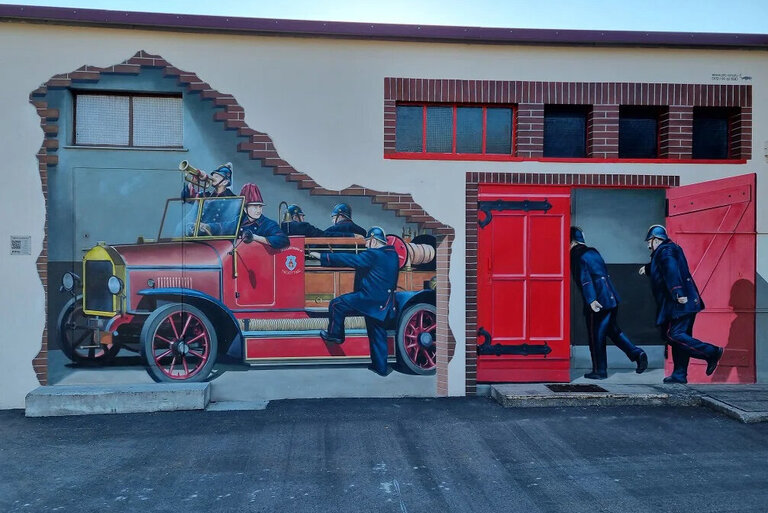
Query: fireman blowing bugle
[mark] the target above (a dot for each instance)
(198, 181)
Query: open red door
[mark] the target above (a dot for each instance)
(522, 284)
(714, 223)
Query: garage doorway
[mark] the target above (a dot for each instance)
(615, 222)
(713, 221)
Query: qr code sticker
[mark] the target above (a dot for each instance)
(21, 245)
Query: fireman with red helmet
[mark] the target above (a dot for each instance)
(263, 229)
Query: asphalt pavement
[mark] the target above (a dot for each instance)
(389, 455)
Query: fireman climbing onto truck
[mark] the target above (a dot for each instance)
(376, 271)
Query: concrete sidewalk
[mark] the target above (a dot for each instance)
(747, 403)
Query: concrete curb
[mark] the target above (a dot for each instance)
(539, 395)
(717, 398)
(61, 400)
(747, 417)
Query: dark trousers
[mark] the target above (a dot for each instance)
(600, 326)
(339, 309)
(679, 335)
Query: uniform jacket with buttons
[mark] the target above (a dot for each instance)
(345, 226)
(671, 279)
(375, 279)
(309, 230)
(267, 228)
(589, 272)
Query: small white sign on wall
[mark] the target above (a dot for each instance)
(21, 245)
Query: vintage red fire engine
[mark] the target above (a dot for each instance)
(183, 299)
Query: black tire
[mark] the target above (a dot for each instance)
(74, 333)
(414, 350)
(179, 334)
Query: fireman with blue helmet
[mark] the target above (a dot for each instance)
(341, 215)
(221, 181)
(601, 306)
(376, 271)
(298, 226)
(677, 303)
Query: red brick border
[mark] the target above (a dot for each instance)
(259, 146)
(604, 97)
(472, 186)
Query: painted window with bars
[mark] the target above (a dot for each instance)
(453, 131)
(128, 120)
(712, 132)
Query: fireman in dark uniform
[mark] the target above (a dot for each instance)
(677, 303)
(376, 271)
(601, 307)
(256, 224)
(342, 221)
(298, 226)
(215, 218)
(221, 181)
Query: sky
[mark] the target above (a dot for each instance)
(739, 16)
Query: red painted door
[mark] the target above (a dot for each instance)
(714, 223)
(522, 284)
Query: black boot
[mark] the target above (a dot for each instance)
(642, 363)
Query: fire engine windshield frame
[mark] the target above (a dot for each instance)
(201, 218)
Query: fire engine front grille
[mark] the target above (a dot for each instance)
(97, 295)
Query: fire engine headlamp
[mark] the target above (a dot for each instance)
(68, 281)
(114, 284)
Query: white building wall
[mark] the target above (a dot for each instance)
(321, 101)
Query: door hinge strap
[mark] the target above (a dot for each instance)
(487, 207)
(525, 349)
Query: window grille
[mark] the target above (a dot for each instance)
(145, 121)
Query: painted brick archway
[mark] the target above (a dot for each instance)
(259, 146)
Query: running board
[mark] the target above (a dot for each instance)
(308, 346)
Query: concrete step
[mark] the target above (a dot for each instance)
(746, 403)
(528, 395)
(61, 400)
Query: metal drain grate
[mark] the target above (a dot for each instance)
(576, 388)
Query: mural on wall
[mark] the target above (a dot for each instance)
(700, 248)
(215, 279)
(601, 307)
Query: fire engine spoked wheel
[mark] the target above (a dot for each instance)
(417, 337)
(76, 338)
(179, 344)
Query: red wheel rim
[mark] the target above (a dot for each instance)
(181, 345)
(419, 330)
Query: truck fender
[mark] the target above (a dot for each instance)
(227, 327)
(405, 299)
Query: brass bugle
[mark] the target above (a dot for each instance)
(193, 175)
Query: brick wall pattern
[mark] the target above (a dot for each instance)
(676, 101)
